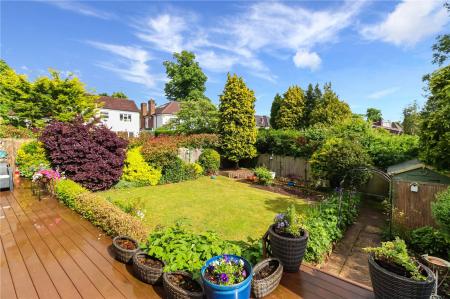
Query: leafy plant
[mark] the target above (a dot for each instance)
(428, 240)
(264, 176)
(396, 253)
(31, 157)
(9, 131)
(67, 191)
(137, 170)
(226, 270)
(289, 223)
(441, 209)
(210, 161)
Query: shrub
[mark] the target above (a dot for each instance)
(441, 210)
(30, 158)
(178, 171)
(289, 222)
(160, 151)
(264, 176)
(194, 170)
(99, 211)
(89, 154)
(182, 249)
(9, 131)
(210, 161)
(136, 170)
(428, 240)
(200, 141)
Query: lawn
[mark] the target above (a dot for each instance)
(234, 210)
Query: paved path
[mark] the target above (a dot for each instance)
(348, 260)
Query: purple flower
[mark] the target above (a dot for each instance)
(244, 273)
(223, 277)
(226, 258)
(210, 268)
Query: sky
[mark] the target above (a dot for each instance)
(374, 53)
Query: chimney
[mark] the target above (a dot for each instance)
(143, 115)
(151, 107)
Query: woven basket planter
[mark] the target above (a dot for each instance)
(265, 286)
(121, 254)
(147, 274)
(175, 292)
(387, 284)
(289, 250)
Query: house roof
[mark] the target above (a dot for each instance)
(388, 125)
(118, 104)
(171, 107)
(407, 166)
(262, 121)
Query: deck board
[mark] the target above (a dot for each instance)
(74, 256)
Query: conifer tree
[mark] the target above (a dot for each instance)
(292, 107)
(330, 109)
(274, 110)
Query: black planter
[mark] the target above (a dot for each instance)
(121, 254)
(387, 284)
(289, 250)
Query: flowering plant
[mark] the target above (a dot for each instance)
(46, 173)
(289, 223)
(226, 270)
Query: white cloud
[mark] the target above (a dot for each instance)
(305, 59)
(410, 22)
(82, 9)
(382, 93)
(132, 65)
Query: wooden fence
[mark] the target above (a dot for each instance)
(285, 166)
(413, 209)
(11, 145)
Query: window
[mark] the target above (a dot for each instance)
(125, 117)
(104, 115)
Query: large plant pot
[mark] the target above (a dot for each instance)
(237, 291)
(121, 254)
(174, 291)
(289, 250)
(387, 284)
(264, 286)
(151, 274)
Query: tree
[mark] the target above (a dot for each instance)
(441, 49)
(195, 116)
(274, 110)
(312, 96)
(119, 94)
(435, 125)
(373, 114)
(329, 109)
(290, 114)
(186, 78)
(237, 126)
(411, 119)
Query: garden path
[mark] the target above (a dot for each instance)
(348, 259)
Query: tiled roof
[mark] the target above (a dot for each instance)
(118, 104)
(168, 108)
(262, 121)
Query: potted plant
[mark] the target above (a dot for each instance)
(395, 274)
(181, 285)
(227, 277)
(266, 276)
(147, 268)
(288, 239)
(124, 248)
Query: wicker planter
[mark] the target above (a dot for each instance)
(148, 274)
(265, 286)
(387, 284)
(121, 254)
(289, 250)
(175, 292)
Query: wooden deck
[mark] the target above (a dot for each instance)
(48, 251)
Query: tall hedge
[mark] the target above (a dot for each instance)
(89, 154)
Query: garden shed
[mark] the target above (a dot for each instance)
(415, 186)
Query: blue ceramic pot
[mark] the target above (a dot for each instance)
(237, 291)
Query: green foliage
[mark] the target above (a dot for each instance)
(373, 114)
(210, 161)
(441, 209)
(182, 249)
(237, 126)
(99, 211)
(9, 131)
(264, 176)
(186, 78)
(137, 170)
(329, 109)
(289, 222)
(177, 171)
(274, 110)
(119, 94)
(195, 116)
(428, 240)
(441, 49)
(411, 119)
(396, 253)
(435, 125)
(292, 108)
(336, 158)
(312, 96)
(31, 157)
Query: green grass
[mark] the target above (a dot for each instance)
(234, 210)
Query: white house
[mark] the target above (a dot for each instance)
(120, 115)
(153, 117)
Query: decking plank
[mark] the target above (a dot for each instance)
(6, 283)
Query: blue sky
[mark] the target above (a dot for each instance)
(374, 52)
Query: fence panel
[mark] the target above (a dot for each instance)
(285, 166)
(413, 209)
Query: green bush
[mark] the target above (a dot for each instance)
(428, 240)
(9, 131)
(177, 171)
(193, 171)
(136, 170)
(264, 176)
(441, 210)
(99, 211)
(210, 161)
(31, 156)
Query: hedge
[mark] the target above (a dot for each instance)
(99, 211)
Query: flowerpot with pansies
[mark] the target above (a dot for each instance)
(227, 277)
(288, 239)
